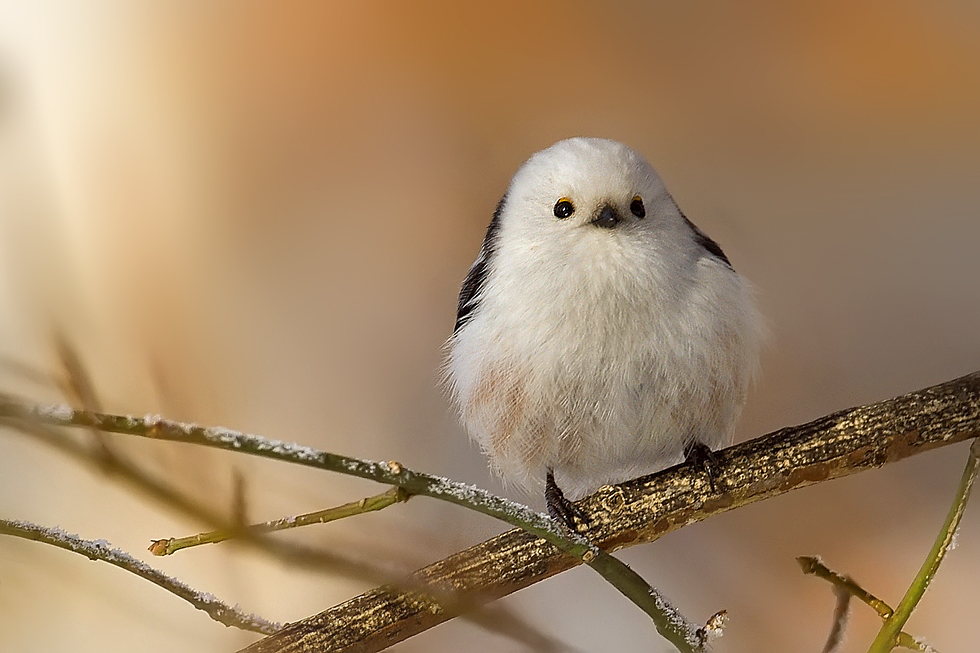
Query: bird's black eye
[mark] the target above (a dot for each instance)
(637, 208)
(564, 208)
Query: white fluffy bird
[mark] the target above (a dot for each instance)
(600, 335)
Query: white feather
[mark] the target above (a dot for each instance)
(600, 352)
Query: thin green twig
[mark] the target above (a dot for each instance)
(887, 637)
(368, 504)
(668, 621)
(815, 566)
(846, 584)
(101, 550)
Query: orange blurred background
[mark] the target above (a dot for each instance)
(258, 215)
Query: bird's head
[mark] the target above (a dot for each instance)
(593, 201)
(587, 183)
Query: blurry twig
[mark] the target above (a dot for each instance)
(841, 612)
(844, 586)
(367, 504)
(888, 635)
(500, 620)
(239, 502)
(77, 385)
(101, 550)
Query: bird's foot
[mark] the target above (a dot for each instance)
(702, 459)
(559, 507)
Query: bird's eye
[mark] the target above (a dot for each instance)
(564, 208)
(637, 208)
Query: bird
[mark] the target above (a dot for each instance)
(600, 335)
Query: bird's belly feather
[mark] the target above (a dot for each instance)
(599, 401)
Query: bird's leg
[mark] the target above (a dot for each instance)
(703, 459)
(559, 507)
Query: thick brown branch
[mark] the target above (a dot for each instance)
(645, 509)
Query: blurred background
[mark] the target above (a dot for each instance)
(258, 215)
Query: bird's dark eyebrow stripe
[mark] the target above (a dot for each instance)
(704, 240)
(469, 293)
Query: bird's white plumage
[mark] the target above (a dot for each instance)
(599, 352)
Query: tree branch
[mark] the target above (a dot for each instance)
(645, 509)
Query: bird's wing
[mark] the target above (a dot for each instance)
(469, 293)
(705, 241)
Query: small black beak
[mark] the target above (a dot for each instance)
(606, 217)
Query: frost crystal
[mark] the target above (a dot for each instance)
(924, 645)
(61, 413)
(223, 435)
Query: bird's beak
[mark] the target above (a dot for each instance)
(606, 216)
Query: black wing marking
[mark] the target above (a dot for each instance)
(704, 240)
(469, 293)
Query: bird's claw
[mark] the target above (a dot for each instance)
(560, 508)
(702, 459)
